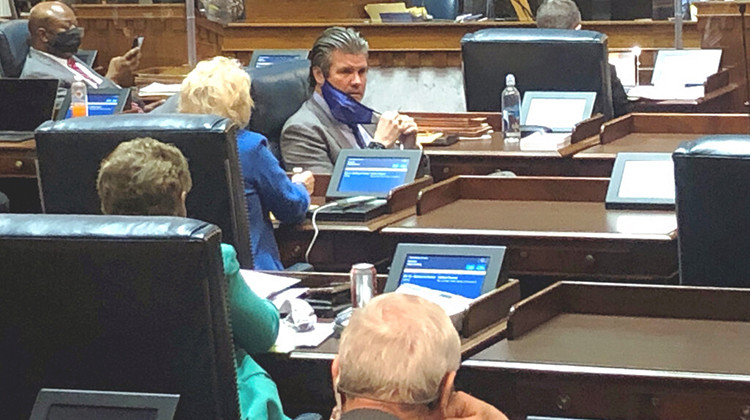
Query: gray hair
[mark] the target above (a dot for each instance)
(398, 349)
(558, 14)
(346, 40)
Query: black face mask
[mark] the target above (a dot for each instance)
(67, 41)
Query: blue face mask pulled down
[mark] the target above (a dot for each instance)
(345, 108)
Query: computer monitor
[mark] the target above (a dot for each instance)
(372, 173)
(464, 270)
(26, 103)
(685, 67)
(100, 102)
(69, 404)
(642, 181)
(87, 56)
(263, 58)
(558, 111)
(625, 64)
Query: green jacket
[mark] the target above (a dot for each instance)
(255, 325)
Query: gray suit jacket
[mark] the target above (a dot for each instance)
(40, 66)
(312, 139)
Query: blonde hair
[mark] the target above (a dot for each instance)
(143, 176)
(398, 349)
(217, 86)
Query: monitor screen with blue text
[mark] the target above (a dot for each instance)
(458, 274)
(100, 104)
(373, 174)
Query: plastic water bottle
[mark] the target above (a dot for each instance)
(511, 105)
(78, 99)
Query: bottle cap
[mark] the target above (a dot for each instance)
(510, 80)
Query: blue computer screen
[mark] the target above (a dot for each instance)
(373, 174)
(457, 274)
(267, 60)
(100, 104)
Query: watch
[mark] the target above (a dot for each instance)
(376, 145)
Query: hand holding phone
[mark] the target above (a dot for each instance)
(137, 41)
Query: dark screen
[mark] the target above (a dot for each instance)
(77, 412)
(26, 103)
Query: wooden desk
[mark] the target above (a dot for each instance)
(660, 133)
(720, 96)
(554, 228)
(303, 376)
(342, 244)
(482, 157)
(18, 176)
(620, 352)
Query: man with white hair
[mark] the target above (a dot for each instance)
(397, 360)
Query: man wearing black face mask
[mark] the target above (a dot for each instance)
(55, 38)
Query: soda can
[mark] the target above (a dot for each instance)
(363, 284)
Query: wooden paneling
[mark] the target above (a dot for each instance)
(110, 30)
(427, 43)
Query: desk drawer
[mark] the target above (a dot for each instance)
(618, 399)
(17, 166)
(600, 261)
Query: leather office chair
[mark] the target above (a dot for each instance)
(278, 92)
(712, 180)
(439, 9)
(116, 303)
(69, 153)
(14, 46)
(541, 60)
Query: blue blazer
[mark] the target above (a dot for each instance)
(267, 189)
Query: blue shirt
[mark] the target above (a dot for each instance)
(267, 189)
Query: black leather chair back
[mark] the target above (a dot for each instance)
(712, 177)
(541, 60)
(278, 92)
(69, 153)
(14, 46)
(115, 303)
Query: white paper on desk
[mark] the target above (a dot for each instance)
(541, 142)
(265, 285)
(453, 305)
(289, 339)
(288, 294)
(666, 93)
(157, 88)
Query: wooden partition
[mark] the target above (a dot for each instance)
(110, 29)
(423, 44)
(720, 26)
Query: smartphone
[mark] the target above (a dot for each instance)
(137, 41)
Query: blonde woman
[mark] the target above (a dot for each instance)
(220, 86)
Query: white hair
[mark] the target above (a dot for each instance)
(398, 349)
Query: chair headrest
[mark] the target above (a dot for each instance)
(140, 122)
(525, 35)
(106, 227)
(734, 146)
(14, 46)
(278, 91)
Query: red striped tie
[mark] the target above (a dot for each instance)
(73, 65)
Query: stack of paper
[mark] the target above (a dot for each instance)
(159, 89)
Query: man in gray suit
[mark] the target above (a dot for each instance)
(55, 38)
(313, 137)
